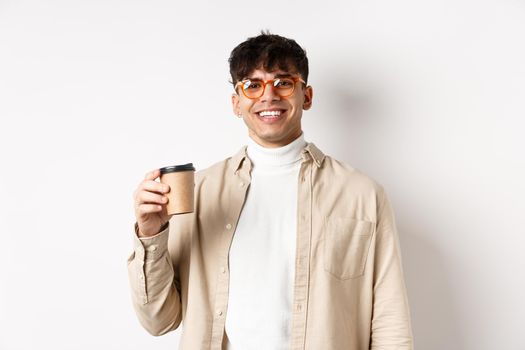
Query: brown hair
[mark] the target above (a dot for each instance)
(270, 52)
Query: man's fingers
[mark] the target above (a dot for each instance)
(144, 209)
(154, 186)
(150, 197)
(152, 175)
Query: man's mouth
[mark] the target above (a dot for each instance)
(272, 114)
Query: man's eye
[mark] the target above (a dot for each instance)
(284, 83)
(251, 85)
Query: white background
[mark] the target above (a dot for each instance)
(427, 97)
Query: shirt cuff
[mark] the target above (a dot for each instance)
(152, 247)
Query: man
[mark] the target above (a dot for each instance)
(287, 247)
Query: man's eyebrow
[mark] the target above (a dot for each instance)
(283, 75)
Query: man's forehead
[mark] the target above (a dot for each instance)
(261, 73)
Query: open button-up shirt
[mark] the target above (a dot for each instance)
(349, 291)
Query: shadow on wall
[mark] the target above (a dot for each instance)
(360, 123)
(433, 308)
(352, 112)
(346, 121)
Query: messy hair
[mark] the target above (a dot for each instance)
(269, 52)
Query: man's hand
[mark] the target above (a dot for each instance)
(150, 205)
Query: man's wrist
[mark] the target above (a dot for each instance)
(141, 235)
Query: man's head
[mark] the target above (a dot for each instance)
(281, 101)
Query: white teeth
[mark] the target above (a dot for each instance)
(269, 113)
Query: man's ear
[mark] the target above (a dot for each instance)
(235, 104)
(308, 96)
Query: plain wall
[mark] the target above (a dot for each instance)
(426, 97)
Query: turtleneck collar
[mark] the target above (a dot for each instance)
(281, 156)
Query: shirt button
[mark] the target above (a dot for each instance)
(223, 270)
(229, 226)
(241, 184)
(219, 313)
(141, 277)
(152, 248)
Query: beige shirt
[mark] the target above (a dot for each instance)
(349, 291)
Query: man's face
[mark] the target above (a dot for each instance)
(283, 125)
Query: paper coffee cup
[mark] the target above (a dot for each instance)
(181, 179)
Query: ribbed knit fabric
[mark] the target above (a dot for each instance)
(262, 254)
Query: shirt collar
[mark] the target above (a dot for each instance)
(283, 156)
(310, 151)
(314, 152)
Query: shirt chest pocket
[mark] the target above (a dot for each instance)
(346, 245)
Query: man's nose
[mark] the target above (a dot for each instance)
(269, 93)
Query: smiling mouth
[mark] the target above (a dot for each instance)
(271, 114)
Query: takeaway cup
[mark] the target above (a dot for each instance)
(181, 179)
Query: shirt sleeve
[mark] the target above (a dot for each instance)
(155, 297)
(391, 329)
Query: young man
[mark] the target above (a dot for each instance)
(287, 248)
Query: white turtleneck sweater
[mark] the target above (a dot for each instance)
(262, 254)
